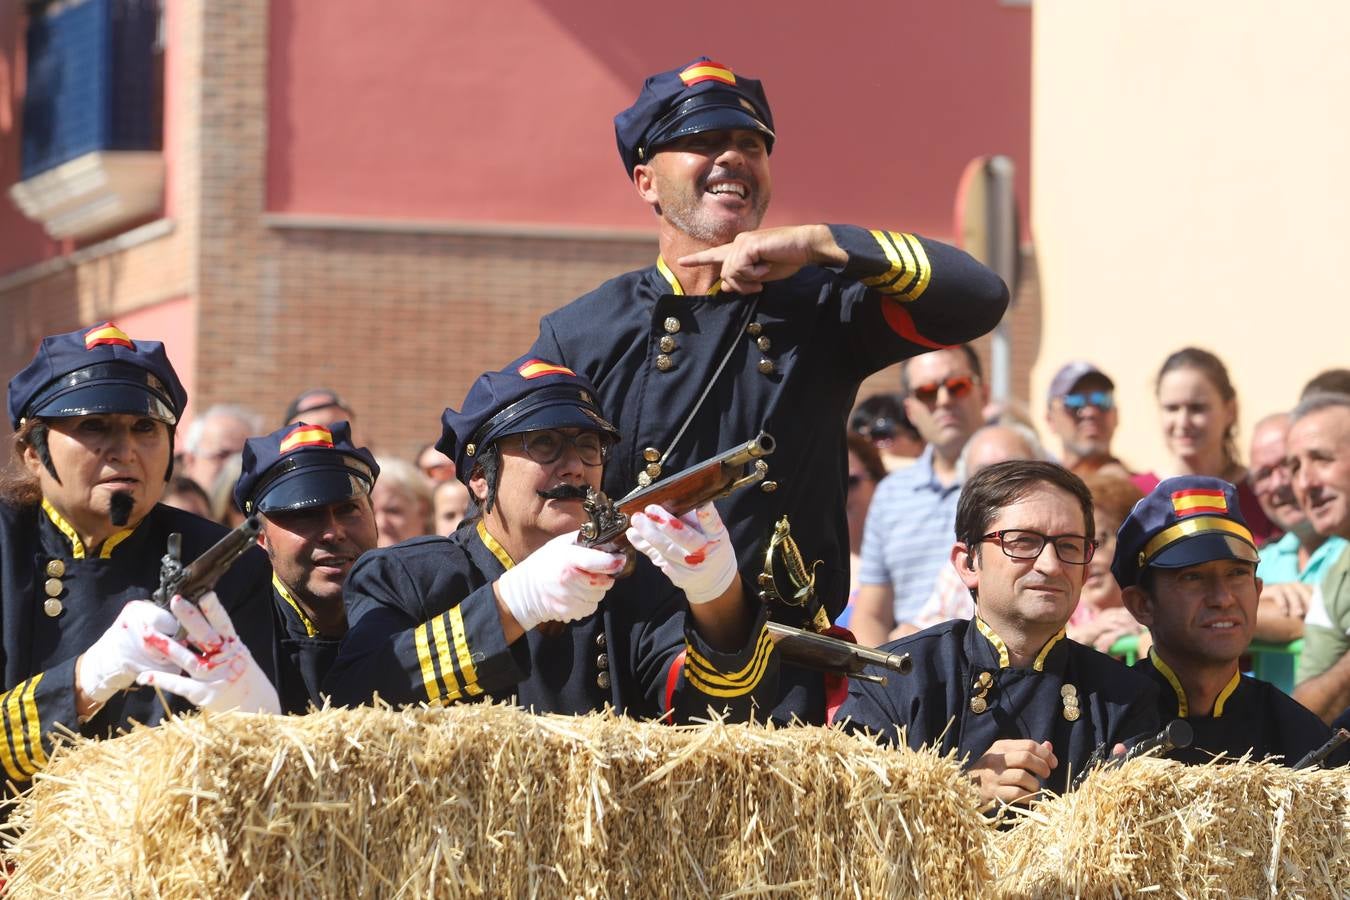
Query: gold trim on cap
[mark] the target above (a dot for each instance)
(1190, 528)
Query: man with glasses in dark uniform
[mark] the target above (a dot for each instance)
(1024, 706)
(513, 606)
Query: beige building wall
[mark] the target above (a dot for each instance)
(1191, 185)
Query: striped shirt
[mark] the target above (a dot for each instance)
(908, 537)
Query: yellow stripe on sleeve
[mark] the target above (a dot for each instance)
(702, 675)
(429, 680)
(923, 269)
(466, 666)
(443, 659)
(34, 722)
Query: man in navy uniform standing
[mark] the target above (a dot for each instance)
(1186, 563)
(738, 329)
(311, 486)
(513, 606)
(1023, 705)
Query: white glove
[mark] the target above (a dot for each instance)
(136, 642)
(224, 676)
(560, 582)
(693, 550)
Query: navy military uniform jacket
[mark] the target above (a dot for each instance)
(962, 695)
(798, 353)
(306, 655)
(1249, 716)
(423, 627)
(40, 649)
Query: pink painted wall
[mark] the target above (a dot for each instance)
(22, 242)
(173, 323)
(501, 112)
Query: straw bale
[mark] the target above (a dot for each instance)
(1159, 828)
(488, 801)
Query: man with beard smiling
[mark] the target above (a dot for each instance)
(512, 605)
(737, 329)
(311, 486)
(1186, 564)
(1024, 706)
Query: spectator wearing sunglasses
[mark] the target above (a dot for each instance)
(1081, 411)
(1020, 703)
(907, 539)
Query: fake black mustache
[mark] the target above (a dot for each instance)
(564, 492)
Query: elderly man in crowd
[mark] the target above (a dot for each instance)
(1294, 565)
(1319, 462)
(1023, 705)
(215, 436)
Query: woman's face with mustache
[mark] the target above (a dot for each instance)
(536, 501)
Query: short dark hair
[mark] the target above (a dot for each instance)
(1331, 381)
(882, 416)
(998, 486)
(972, 358)
(1318, 401)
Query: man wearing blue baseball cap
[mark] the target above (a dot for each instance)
(1186, 563)
(82, 533)
(737, 329)
(514, 606)
(311, 486)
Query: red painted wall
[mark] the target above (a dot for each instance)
(22, 242)
(501, 112)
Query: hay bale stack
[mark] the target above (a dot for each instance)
(489, 801)
(1237, 830)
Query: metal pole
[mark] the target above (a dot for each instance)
(1003, 260)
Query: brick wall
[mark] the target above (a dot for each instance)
(397, 321)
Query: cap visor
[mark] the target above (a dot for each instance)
(107, 397)
(557, 416)
(1203, 548)
(712, 118)
(312, 486)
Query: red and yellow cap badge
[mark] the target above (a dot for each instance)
(1199, 502)
(707, 70)
(307, 436)
(538, 368)
(107, 333)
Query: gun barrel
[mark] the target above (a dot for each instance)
(1319, 756)
(833, 654)
(1176, 735)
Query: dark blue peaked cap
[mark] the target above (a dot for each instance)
(1184, 521)
(701, 96)
(528, 395)
(97, 370)
(301, 466)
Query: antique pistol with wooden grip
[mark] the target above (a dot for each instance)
(193, 580)
(679, 493)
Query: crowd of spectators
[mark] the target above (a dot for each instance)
(945, 430)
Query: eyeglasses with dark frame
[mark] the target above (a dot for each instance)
(957, 387)
(547, 446)
(1021, 543)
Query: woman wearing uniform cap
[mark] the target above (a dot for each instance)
(82, 533)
